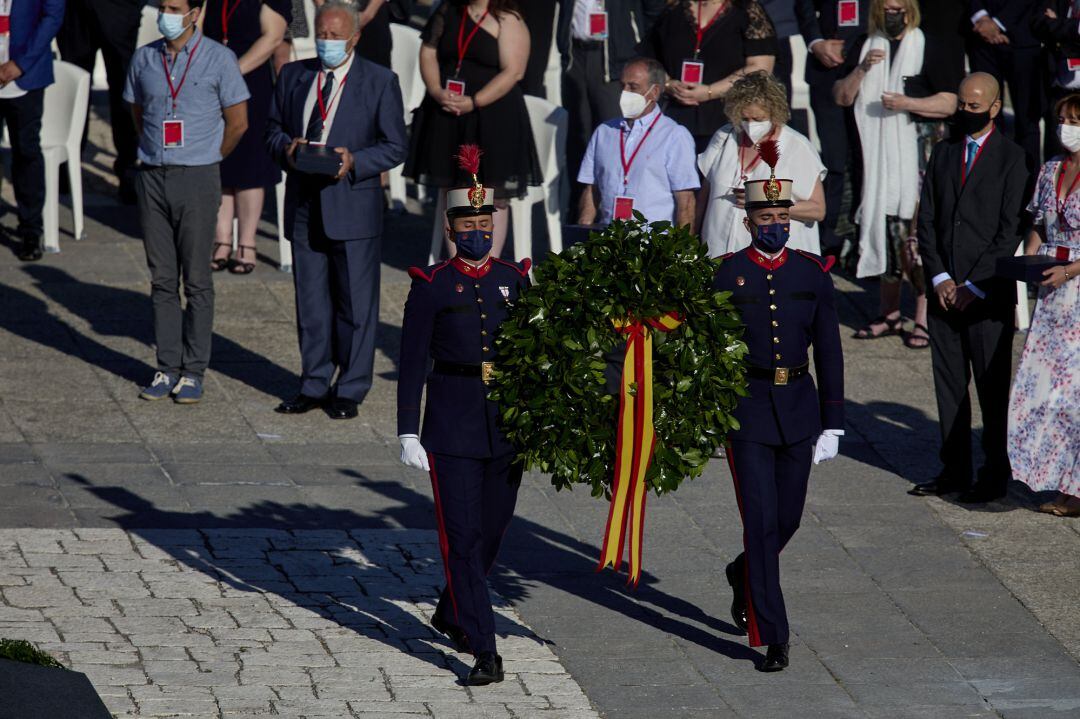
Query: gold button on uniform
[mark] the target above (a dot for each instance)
(487, 349)
(778, 355)
(768, 277)
(480, 300)
(775, 323)
(483, 316)
(477, 286)
(772, 307)
(483, 333)
(776, 340)
(772, 292)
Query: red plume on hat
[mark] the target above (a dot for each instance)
(468, 158)
(769, 150)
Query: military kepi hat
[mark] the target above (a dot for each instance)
(475, 199)
(771, 192)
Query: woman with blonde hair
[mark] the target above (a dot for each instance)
(902, 84)
(757, 110)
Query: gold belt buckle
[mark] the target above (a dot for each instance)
(780, 376)
(487, 372)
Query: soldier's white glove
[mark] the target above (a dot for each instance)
(413, 453)
(828, 444)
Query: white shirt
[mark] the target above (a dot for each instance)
(722, 227)
(340, 75)
(579, 24)
(664, 165)
(942, 276)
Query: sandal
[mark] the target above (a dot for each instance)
(239, 267)
(1068, 508)
(217, 264)
(917, 342)
(892, 328)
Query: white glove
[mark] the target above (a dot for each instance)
(828, 444)
(413, 453)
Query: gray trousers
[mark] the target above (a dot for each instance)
(178, 208)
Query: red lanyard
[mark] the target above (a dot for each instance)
(324, 110)
(1058, 199)
(175, 91)
(622, 149)
(226, 15)
(964, 167)
(463, 42)
(701, 30)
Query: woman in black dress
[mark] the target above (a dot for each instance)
(252, 29)
(731, 38)
(494, 45)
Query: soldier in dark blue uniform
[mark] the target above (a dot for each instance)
(785, 299)
(452, 316)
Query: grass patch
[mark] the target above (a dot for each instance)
(18, 650)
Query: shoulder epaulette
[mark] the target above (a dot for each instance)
(522, 269)
(428, 274)
(825, 264)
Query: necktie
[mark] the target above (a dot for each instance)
(315, 122)
(972, 151)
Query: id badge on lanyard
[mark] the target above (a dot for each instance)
(455, 87)
(693, 72)
(598, 28)
(847, 13)
(172, 134)
(623, 208)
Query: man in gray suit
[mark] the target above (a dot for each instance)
(354, 108)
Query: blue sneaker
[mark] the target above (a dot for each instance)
(161, 387)
(187, 391)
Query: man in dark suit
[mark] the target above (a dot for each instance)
(26, 69)
(1001, 43)
(1058, 29)
(829, 29)
(335, 222)
(452, 316)
(970, 215)
(785, 301)
(111, 26)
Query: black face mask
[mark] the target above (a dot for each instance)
(895, 24)
(968, 123)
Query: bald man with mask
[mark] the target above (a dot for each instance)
(971, 214)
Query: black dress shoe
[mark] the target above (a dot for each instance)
(341, 408)
(454, 633)
(299, 404)
(30, 250)
(738, 601)
(776, 659)
(935, 488)
(488, 670)
(982, 493)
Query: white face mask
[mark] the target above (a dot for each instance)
(756, 130)
(1069, 136)
(632, 104)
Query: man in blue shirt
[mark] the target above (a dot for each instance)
(189, 101)
(643, 161)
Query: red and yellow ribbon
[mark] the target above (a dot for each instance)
(635, 444)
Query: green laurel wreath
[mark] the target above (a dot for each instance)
(550, 377)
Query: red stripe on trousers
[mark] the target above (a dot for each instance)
(751, 619)
(444, 542)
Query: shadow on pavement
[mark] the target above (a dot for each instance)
(117, 312)
(532, 554)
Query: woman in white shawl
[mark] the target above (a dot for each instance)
(902, 84)
(757, 109)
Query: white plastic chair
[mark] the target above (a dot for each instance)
(405, 61)
(549, 123)
(62, 123)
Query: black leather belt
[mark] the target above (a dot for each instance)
(779, 376)
(453, 369)
(587, 44)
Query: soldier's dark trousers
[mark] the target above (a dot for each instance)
(770, 485)
(474, 503)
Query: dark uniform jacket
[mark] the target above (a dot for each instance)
(786, 305)
(452, 315)
(818, 20)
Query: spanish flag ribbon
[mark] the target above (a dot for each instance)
(635, 443)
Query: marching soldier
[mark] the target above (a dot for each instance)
(785, 299)
(452, 316)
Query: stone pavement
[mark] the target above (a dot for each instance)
(178, 553)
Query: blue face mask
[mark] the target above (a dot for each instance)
(171, 25)
(772, 238)
(332, 52)
(473, 244)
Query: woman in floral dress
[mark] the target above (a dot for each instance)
(1044, 407)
